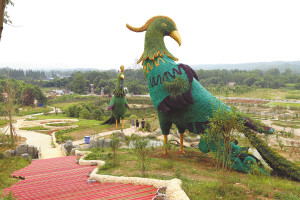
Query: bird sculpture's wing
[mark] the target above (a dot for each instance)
(111, 104)
(185, 98)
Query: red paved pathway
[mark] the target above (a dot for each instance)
(61, 178)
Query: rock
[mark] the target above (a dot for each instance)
(13, 153)
(25, 156)
(93, 163)
(68, 146)
(72, 153)
(106, 143)
(33, 152)
(160, 197)
(99, 143)
(189, 139)
(152, 135)
(157, 132)
(120, 134)
(161, 190)
(92, 181)
(7, 153)
(21, 149)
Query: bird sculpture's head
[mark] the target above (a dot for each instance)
(122, 70)
(156, 28)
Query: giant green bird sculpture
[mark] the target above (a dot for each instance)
(179, 97)
(118, 103)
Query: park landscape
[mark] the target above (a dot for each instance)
(209, 133)
(199, 172)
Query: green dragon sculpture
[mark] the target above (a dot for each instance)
(181, 100)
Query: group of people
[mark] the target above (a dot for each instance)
(136, 125)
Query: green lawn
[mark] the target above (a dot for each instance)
(34, 128)
(7, 166)
(284, 104)
(28, 110)
(200, 178)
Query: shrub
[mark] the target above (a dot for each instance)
(115, 144)
(142, 152)
(85, 114)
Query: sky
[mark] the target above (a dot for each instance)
(69, 34)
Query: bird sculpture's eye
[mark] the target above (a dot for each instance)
(164, 24)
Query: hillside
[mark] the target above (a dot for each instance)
(281, 65)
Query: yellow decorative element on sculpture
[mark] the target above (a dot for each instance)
(157, 63)
(145, 26)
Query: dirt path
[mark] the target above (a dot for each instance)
(39, 140)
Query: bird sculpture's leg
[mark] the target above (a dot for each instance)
(165, 142)
(116, 123)
(122, 124)
(181, 143)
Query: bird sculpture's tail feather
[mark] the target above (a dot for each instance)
(274, 160)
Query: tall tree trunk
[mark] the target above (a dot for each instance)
(2, 9)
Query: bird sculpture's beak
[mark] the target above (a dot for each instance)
(122, 76)
(175, 35)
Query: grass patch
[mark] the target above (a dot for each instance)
(60, 124)
(3, 122)
(35, 128)
(99, 154)
(294, 125)
(34, 110)
(284, 104)
(7, 166)
(61, 136)
(50, 116)
(292, 96)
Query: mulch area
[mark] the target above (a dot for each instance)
(61, 178)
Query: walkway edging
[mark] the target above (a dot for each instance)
(174, 186)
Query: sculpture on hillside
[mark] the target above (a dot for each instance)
(177, 94)
(118, 103)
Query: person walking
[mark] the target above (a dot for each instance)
(137, 125)
(132, 123)
(143, 125)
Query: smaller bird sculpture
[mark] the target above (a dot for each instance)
(118, 103)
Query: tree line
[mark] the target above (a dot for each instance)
(21, 74)
(80, 82)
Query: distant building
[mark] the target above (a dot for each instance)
(231, 84)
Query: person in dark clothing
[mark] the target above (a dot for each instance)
(137, 125)
(143, 125)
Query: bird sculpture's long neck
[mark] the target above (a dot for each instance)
(119, 90)
(154, 42)
(155, 46)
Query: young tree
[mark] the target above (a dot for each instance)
(142, 152)
(115, 144)
(4, 18)
(10, 109)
